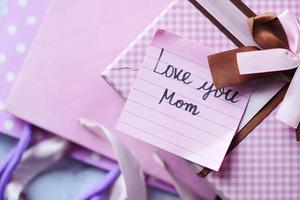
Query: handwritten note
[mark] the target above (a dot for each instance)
(174, 105)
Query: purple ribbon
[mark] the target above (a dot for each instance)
(6, 160)
(13, 158)
(105, 184)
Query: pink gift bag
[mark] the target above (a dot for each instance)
(17, 34)
(65, 67)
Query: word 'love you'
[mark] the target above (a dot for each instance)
(185, 77)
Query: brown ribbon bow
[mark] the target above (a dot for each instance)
(268, 33)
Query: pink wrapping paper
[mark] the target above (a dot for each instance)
(266, 165)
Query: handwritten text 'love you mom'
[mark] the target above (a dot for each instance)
(206, 88)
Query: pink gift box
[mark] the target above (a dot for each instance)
(266, 165)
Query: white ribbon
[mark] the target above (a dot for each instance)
(188, 185)
(129, 165)
(279, 60)
(118, 190)
(34, 161)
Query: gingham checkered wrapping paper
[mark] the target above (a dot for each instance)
(266, 165)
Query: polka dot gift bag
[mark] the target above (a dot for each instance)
(19, 24)
(17, 32)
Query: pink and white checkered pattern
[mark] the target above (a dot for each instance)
(266, 165)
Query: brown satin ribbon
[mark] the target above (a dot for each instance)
(267, 32)
(298, 133)
(224, 68)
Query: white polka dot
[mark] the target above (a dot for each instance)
(12, 29)
(2, 57)
(22, 2)
(2, 106)
(31, 20)
(95, 156)
(10, 76)
(8, 124)
(20, 48)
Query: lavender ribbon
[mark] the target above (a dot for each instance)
(35, 160)
(13, 160)
(6, 160)
(105, 184)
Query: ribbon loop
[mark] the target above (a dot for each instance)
(292, 29)
(289, 110)
(224, 68)
(270, 60)
(268, 32)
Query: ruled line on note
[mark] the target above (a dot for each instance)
(195, 88)
(228, 128)
(189, 124)
(150, 69)
(161, 138)
(167, 128)
(239, 107)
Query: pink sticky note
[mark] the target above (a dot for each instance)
(60, 80)
(174, 105)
